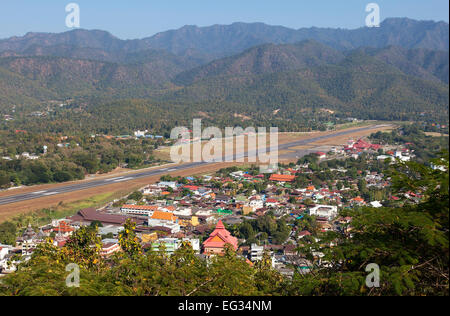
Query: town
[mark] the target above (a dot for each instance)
(254, 214)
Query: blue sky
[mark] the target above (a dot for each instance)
(142, 18)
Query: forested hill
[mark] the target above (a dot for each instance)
(359, 85)
(267, 58)
(240, 72)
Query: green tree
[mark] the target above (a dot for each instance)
(410, 243)
(8, 232)
(129, 241)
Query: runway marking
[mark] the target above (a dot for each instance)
(124, 179)
(39, 192)
(112, 179)
(50, 193)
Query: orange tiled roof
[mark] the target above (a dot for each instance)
(164, 216)
(282, 178)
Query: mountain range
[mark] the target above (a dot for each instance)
(402, 65)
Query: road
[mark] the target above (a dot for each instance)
(160, 171)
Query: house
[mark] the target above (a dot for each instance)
(376, 204)
(358, 201)
(363, 145)
(256, 252)
(172, 244)
(166, 184)
(271, 203)
(4, 251)
(303, 233)
(403, 156)
(29, 241)
(148, 237)
(63, 229)
(186, 221)
(89, 215)
(282, 178)
(223, 199)
(110, 229)
(158, 217)
(193, 188)
(327, 211)
(164, 219)
(215, 244)
(248, 210)
(145, 210)
(5, 267)
(109, 246)
(152, 190)
(321, 155)
(256, 202)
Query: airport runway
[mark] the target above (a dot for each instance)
(160, 171)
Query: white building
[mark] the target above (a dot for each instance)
(152, 190)
(144, 210)
(4, 251)
(165, 184)
(256, 204)
(140, 133)
(328, 211)
(256, 252)
(403, 156)
(172, 244)
(376, 204)
(183, 212)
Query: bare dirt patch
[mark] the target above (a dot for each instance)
(434, 134)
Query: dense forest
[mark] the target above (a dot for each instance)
(67, 158)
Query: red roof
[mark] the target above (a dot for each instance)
(361, 144)
(220, 237)
(63, 227)
(191, 187)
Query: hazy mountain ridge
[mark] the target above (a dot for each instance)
(181, 67)
(217, 41)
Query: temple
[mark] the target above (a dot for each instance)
(215, 244)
